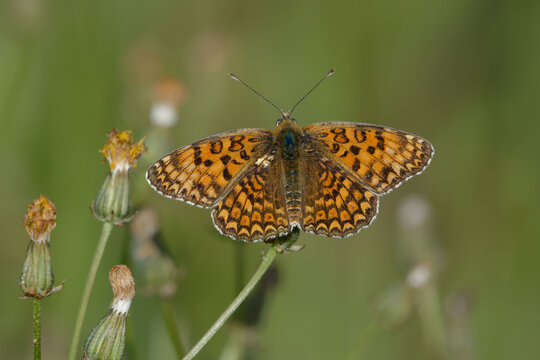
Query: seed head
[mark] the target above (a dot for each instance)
(40, 219)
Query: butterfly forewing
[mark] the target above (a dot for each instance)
(335, 204)
(382, 158)
(254, 209)
(201, 173)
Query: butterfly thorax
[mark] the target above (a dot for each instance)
(288, 136)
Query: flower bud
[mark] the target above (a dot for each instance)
(107, 340)
(112, 203)
(37, 278)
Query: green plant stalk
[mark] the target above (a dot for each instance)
(37, 328)
(267, 260)
(105, 233)
(174, 333)
(365, 339)
(235, 348)
(431, 318)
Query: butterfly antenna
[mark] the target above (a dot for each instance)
(234, 77)
(330, 73)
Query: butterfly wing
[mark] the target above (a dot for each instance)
(335, 203)
(201, 173)
(380, 157)
(254, 209)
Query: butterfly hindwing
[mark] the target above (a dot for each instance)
(202, 172)
(254, 209)
(381, 157)
(335, 204)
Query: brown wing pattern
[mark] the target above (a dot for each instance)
(254, 209)
(200, 172)
(381, 157)
(335, 204)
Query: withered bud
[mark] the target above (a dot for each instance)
(37, 277)
(107, 340)
(169, 94)
(123, 287)
(40, 219)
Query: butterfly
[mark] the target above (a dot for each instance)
(324, 178)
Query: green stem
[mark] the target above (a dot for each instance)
(267, 259)
(431, 318)
(37, 329)
(365, 339)
(105, 233)
(174, 334)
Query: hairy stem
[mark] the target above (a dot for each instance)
(105, 233)
(37, 329)
(267, 259)
(174, 333)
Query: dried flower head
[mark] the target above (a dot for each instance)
(122, 285)
(107, 339)
(37, 277)
(40, 219)
(170, 90)
(169, 95)
(121, 152)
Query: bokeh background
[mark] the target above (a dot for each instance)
(449, 269)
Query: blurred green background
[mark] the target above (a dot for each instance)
(463, 74)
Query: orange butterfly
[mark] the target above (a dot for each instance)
(323, 178)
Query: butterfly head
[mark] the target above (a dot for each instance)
(285, 117)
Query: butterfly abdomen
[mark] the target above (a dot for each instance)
(289, 140)
(293, 195)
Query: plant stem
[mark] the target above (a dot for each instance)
(267, 259)
(105, 233)
(365, 339)
(431, 318)
(37, 329)
(174, 334)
